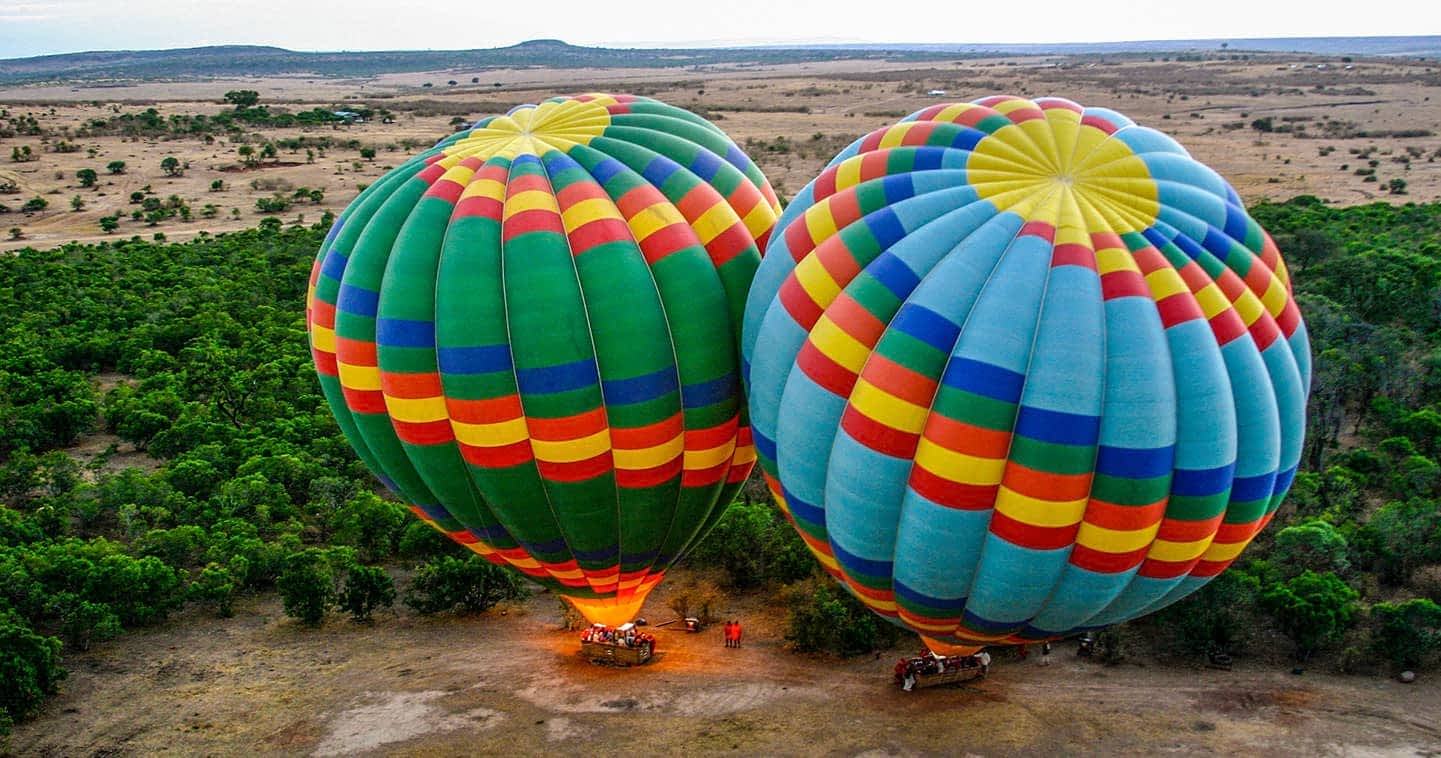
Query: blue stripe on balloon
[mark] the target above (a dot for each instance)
(1189, 247)
(639, 389)
(893, 274)
(358, 300)
(1247, 488)
(706, 165)
(607, 170)
(927, 326)
(984, 379)
(563, 378)
(556, 545)
(802, 510)
(1135, 463)
(928, 158)
(474, 360)
(1217, 242)
(1236, 227)
(701, 394)
(647, 557)
(1058, 427)
(659, 169)
(765, 446)
(855, 564)
(605, 554)
(897, 187)
(986, 626)
(885, 226)
(968, 138)
(1283, 480)
(334, 265)
(1201, 482)
(736, 158)
(920, 598)
(404, 332)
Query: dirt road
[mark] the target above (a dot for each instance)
(514, 685)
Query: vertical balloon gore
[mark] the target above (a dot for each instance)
(1021, 368)
(530, 334)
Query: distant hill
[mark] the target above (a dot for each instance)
(247, 60)
(1421, 46)
(254, 60)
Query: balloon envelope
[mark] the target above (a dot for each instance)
(530, 333)
(1019, 368)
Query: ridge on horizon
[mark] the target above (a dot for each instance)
(261, 60)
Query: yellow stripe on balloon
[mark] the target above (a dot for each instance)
(1115, 259)
(498, 434)
(696, 460)
(570, 451)
(652, 219)
(888, 409)
(365, 378)
(819, 221)
(459, 174)
(530, 200)
(1248, 307)
(1165, 282)
(417, 410)
(716, 219)
(759, 219)
(1178, 552)
(1275, 297)
(952, 112)
(484, 188)
(744, 454)
(1224, 551)
(1113, 540)
(1037, 512)
(848, 174)
(322, 338)
(816, 281)
(642, 458)
(588, 210)
(959, 467)
(838, 345)
(1211, 300)
(896, 135)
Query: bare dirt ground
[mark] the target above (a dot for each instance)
(791, 118)
(515, 685)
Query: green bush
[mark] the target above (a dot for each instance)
(306, 586)
(472, 584)
(754, 545)
(367, 589)
(1218, 618)
(29, 669)
(823, 617)
(215, 586)
(1312, 609)
(1406, 633)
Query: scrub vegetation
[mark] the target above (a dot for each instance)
(163, 443)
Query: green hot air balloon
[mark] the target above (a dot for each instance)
(530, 334)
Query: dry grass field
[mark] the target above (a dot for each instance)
(1331, 120)
(514, 684)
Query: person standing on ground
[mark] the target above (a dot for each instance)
(1045, 653)
(985, 658)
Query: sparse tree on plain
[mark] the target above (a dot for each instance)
(115, 167)
(87, 177)
(171, 166)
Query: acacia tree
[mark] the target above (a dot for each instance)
(87, 177)
(242, 98)
(171, 166)
(115, 167)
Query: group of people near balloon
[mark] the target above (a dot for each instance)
(927, 663)
(626, 636)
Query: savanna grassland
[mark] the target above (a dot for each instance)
(184, 529)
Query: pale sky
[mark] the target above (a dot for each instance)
(39, 27)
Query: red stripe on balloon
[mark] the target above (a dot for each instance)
(958, 495)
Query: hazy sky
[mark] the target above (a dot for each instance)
(38, 27)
